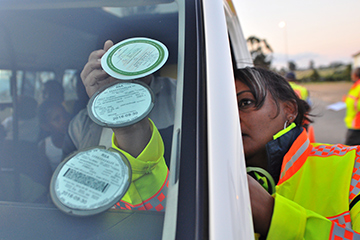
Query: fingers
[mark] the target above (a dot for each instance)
(91, 89)
(95, 79)
(93, 76)
(90, 66)
(95, 58)
(108, 44)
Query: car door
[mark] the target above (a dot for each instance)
(210, 131)
(227, 174)
(207, 195)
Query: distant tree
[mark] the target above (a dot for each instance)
(260, 51)
(311, 64)
(314, 77)
(292, 65)
(336, 64)
(348, 71)
(342, 73)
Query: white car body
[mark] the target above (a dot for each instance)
(208, 194)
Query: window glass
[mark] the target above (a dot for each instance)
(70, 79)
(47, 45)
(5, 86)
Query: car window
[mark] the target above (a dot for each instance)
(44, 49)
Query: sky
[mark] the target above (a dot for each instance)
(317, 30)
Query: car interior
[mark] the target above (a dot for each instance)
(43, 41)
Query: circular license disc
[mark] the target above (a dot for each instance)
(121, 104)
(90, 181)
(134, 58)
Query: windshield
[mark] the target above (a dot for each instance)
(46, 119)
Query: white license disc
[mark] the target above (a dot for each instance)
(134, 58)
(90, 181)
(121, 104)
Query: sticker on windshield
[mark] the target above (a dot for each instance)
(121, 104)
(134, 58)
(90, 181)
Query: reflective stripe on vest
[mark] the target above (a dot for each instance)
(355, 183)
(295, 157)
(155, 203)
(325, 150)
(338, 233)
(343, 220)
(355, 100)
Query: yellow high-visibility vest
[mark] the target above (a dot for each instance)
(301, 91)
(148, 188)
(317, 192)
(352, 117)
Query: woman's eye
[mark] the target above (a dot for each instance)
(245, 103)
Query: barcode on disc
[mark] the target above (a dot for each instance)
(86, 180)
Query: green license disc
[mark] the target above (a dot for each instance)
(134, 58)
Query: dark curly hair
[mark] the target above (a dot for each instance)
(262, 81)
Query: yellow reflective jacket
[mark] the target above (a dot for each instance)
(148, 189)
(352, 117)
(301, 91)
(317, 191)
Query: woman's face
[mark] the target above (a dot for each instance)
(257, 125)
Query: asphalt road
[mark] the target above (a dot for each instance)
(328, 124)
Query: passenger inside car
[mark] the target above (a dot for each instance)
(54, 120)
(53, 90)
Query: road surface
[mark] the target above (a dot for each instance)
(329, 125)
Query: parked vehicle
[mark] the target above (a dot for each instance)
(208, 194)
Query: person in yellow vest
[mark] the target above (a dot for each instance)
(352, 117)
(303, 94)
(298, 189)
(141, 143)
(301, 91)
